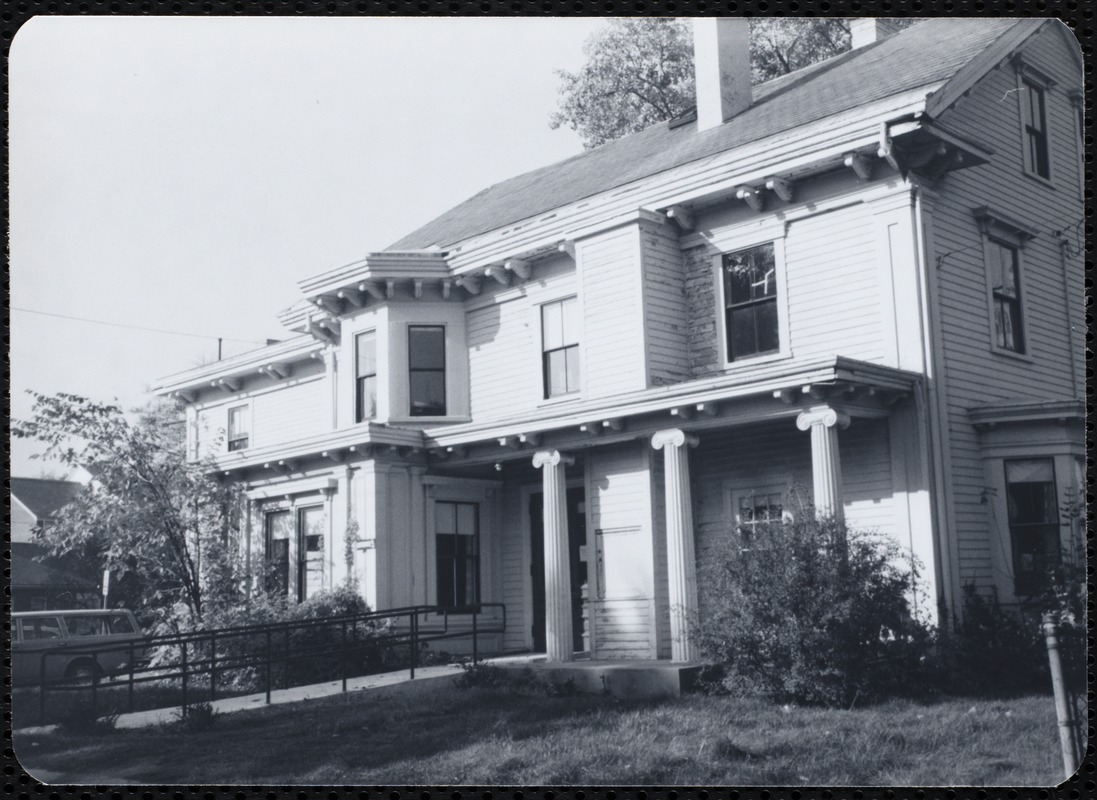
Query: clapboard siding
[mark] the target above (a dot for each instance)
(619, 504)
(778, 456)
(831, 275)
(974, 374)
(514, 568)
(664, 305)
(503, 327)
(291, 413)
(613, 331)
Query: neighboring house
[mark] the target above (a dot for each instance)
(37, 581)
(858, 284)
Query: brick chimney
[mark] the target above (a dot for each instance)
(721, 56)
(866, 30)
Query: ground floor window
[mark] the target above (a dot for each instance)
(295, 551)
(1033, 509)
(756, 507)
(457, 550)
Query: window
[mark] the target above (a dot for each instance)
(457, 548)
(757, 507)
(1005, 281)
(295, 551)
(1034, 120)
(279, 534)
(560, 347)
(427, 370)
(85, 626)
(751, 323)
(365, 402)
(41, 628)
(1033, 521)
(238, 428)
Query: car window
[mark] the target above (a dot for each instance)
(41, 628)
(84, 626)
(119, 623)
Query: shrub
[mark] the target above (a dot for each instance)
(200, 717)
(80, 718)
(811, 612)
(991, 651)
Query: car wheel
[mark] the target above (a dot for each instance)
(83, 673)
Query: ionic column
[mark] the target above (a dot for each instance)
(681, 561)
(559, 645)
(826, 467)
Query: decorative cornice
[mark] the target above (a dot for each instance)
(551, 458)
(673, 437)
(822, 415)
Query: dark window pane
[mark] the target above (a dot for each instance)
(457, 554)
(1033, 514)
(738, 277)
(428, 394)
(42, 628)
(768, 327)
(741, 336)
(427, 347)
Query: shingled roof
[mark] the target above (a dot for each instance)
(924, 55)
(43, 496)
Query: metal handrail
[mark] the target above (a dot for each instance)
(199, 649)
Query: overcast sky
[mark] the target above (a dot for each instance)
(183, 174)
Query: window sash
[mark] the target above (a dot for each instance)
(1032, 511)
(752, 323)
(1034, 118)
(561, 371)
(457, 554)
(427, 371)
(365, 383)
(1006, 296)
(238, 428)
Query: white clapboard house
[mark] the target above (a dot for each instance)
(858, 284)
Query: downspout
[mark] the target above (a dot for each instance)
(1064, 244)
(934, 422)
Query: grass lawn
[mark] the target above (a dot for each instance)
(497, 736)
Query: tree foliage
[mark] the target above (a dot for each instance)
(163, 525)
(640, 71)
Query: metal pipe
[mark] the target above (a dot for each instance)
(1062, 707)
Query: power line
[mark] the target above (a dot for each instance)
(135, 327)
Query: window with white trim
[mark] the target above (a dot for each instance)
(1037, 157)
(427, 370)
(295, 550)
(239, 424)
(457, 553)
(754, 508)
(1004, 263)
(1033, 509)
(751, 320)
(560, 347)
(365, 376)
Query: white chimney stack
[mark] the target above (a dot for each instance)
(866, 30)
(721, 56)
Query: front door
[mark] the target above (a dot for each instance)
(577, 535)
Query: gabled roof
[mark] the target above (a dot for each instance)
(925, 55)
(44, 496)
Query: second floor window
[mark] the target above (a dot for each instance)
(238, 428)
(560, 347)
(750, 302)
(1006, 296)
(427, 370)
(365, 399)
(1034, 119)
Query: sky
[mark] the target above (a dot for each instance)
(183, 174)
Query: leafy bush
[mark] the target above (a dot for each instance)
(811, 612)
(200, 717)
(80, 718)
(991, 651)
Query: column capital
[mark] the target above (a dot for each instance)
(551, 458)
(822, 415)
(673, 437)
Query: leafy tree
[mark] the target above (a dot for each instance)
(164, 526)
(640, 71)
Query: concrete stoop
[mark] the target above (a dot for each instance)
(618, 678)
